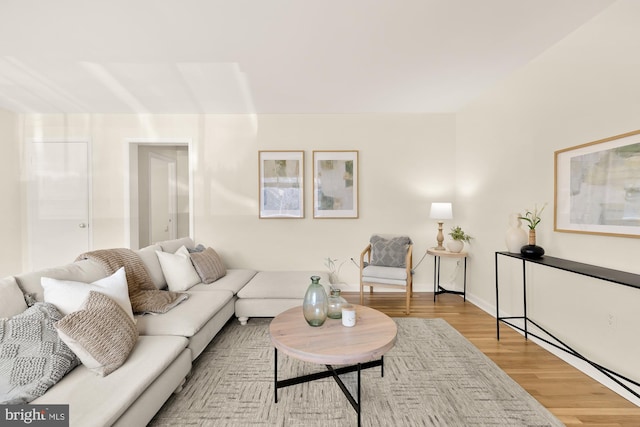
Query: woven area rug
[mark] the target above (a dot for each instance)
(432, 377)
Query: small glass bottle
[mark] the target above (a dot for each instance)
(315, 304)
(335, 304)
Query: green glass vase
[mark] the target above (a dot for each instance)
(315, 304)
(335, 304)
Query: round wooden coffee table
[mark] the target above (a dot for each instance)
(361, 346)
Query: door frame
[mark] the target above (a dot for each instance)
(27, 255)
(131, 213)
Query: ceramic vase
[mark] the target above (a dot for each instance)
(315, 304)
(455, 246)
(516, 236)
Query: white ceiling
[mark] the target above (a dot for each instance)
(270, 56)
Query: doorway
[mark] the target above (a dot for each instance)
(160, 202)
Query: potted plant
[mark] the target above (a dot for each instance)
(533, 219)
(458, 237)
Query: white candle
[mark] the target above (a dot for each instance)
(348, 315)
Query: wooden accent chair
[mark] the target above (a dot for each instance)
(388, 263)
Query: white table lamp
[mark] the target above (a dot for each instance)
(440, 212)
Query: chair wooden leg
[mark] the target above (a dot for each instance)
(408, 310)
(361, 294)
(409, 296)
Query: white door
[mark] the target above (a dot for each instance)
(162, 198)
(58, 203)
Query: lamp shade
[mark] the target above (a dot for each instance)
(441, 211)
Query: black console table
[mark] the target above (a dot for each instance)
(616, 276)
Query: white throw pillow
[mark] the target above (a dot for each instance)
(69, 296)
(178, 269)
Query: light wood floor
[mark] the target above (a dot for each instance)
(573, 397)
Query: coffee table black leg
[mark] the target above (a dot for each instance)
(359, 409)
(275, 375)
(330, 372)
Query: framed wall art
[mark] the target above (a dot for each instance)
(597, 187)
(281, 184)
(335, 184)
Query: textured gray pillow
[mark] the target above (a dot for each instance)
(208, 265)
(101, 333)
(389, 251)
(32, 356)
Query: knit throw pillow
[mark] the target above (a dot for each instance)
(101, 334)
(208, 265)
(32, 356)
(389, 251)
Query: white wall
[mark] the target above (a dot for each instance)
(10, 186)
(406, 162)
(403, 167)
(584, 89)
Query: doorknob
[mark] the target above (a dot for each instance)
(82, 225)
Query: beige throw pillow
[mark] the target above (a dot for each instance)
(208, 265)
(101, 334)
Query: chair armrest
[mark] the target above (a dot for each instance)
(366, 251)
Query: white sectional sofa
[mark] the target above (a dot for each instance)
(167, 344)
(272, 292)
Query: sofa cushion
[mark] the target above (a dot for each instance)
(234, 280)
(100, 401)
(389, 251)
(281, 284)
(173, 245)
(11, 298)
(152, 264)
(101, 333)
(32, 356)
(187, 318)
(69, 296)
(178, 269)
(86, 271)
(208, 265)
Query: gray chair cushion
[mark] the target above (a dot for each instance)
(389, 251)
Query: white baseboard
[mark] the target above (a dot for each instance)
(490, 309)
(571, 360)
